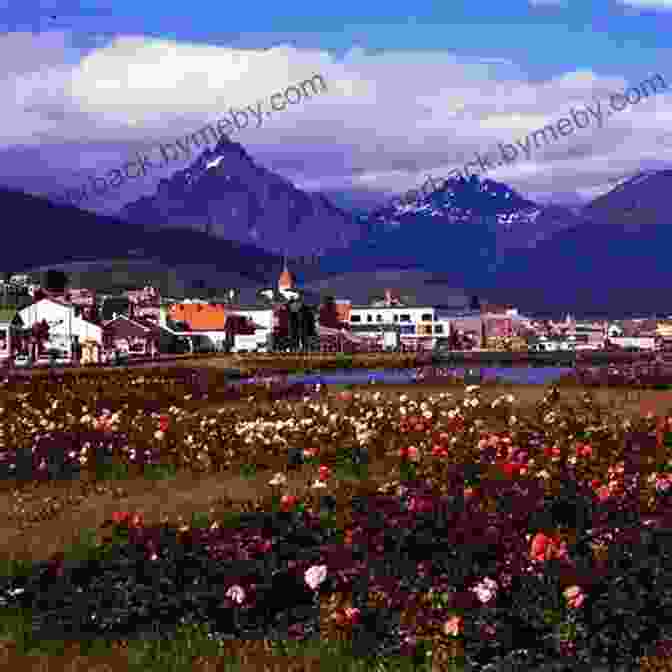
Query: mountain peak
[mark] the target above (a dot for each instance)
(223, 191)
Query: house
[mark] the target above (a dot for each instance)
(66, 330)
(204, 324)
(10, 322)
(264, 318)
(131, 336)
(145, 303)
(201, 323)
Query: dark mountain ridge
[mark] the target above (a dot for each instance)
(57, 234)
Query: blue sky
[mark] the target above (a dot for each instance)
(86, 85)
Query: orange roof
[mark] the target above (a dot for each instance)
(199, 315)
(343, 310)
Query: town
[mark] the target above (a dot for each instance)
(52, 323)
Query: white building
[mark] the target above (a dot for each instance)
(417, 325)
(640, 342)
(64, 327)
(263, 319)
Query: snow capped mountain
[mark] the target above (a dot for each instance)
(515, 219)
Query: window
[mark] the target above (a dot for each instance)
(408, 329)
(438, 329)
(379, 318)
(396, 318)
(405, 317)
(426, 317)
(356, 318)
(369, 318)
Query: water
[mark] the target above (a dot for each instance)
(521, 375)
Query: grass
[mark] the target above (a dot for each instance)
(191, 643)
(248, 470)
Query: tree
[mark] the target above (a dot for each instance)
(55, 280)
(329, 314)
(39, 334)
(453, 339)
(308, 331)
(295, 324)
(281, 340)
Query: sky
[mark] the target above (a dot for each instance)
(410, 90)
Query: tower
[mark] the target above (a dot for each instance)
(286, 280)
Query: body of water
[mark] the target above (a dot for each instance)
(521, 375)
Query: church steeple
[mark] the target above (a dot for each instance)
(286, 280)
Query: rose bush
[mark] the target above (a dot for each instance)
(543, 532)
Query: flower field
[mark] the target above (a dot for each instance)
(443, 532)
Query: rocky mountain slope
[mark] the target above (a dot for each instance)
(225, 192)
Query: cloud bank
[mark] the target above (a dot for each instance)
(387, 120)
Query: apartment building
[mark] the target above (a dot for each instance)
(412, 325)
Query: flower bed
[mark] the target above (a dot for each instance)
(496, 538)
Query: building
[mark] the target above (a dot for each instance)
(201, 323)
(144, 303)
(66, 330)
(634, 342)
(551, 343)
(131, 336)
(389, 323)
(264, 319)
(10, 323)
(286, 289)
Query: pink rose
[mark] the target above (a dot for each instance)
(604, 493)
(453, 626)
(574, 597)
(315, 575)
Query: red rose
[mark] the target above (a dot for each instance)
(288, 501)
(510, 469)
(119, 517)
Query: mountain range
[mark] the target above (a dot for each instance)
(605, 259)
(224, 220)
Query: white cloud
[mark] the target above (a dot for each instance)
(386, 121)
